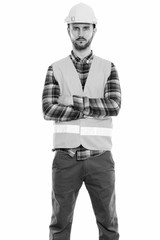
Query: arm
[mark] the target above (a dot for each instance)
(107, 106)
(52, 108)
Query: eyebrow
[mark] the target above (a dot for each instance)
(82, 24)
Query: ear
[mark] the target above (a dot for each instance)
(68, 30)
(94, 31)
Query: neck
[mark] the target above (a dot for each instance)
(83, 53)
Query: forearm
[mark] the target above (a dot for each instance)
(99, 107)
(59, 112)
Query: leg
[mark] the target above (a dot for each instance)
(100, 183)
(66, 184)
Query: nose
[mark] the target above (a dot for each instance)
(80, 33)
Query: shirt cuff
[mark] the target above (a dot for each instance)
(86, 110)
(78, 103)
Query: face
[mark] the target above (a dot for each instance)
(81, 35)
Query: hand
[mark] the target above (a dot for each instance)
(78, 103)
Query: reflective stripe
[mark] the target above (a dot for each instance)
(83, 130)
(96, 131)
(67, 129)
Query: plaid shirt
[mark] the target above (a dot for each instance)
(101, 107)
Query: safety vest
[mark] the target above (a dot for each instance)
(91, 133)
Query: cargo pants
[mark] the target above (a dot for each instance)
(98, 175)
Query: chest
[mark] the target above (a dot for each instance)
(89, 81)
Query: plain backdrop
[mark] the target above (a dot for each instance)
(33, 35)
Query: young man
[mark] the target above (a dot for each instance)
(81, 94)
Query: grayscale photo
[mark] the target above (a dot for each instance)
(80, 121)
(81, 95)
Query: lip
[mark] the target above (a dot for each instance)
(81, 40)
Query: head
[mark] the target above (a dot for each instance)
(81, 25)
(81, 34)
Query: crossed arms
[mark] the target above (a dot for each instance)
(78, 107)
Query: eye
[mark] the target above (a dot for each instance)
(75, 28)
(86, 28)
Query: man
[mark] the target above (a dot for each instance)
(81, 94)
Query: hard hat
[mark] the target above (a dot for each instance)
(81, 13)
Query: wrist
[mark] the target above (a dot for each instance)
(78, 103)
(86, 110)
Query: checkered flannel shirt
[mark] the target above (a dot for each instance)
(98, 107)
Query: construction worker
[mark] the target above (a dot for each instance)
(81, 94)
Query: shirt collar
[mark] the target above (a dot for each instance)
(87, 59)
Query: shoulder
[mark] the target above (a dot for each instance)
(106, 62)
(60, 62)
(102, 59)
(103, 62)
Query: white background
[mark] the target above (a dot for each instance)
(33, 35)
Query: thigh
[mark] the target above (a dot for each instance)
(101, 172)
(65, 173)
(100, 183)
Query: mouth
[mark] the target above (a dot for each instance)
(81, 39)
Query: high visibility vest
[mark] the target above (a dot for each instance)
(91, 133)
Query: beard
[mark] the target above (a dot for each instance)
(77, 43)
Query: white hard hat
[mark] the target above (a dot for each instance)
(81, 13)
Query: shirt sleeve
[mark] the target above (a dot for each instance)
(110, 104)
(52, 110)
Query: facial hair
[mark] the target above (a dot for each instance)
(81, 47)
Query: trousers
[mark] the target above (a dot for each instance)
(98, 175)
